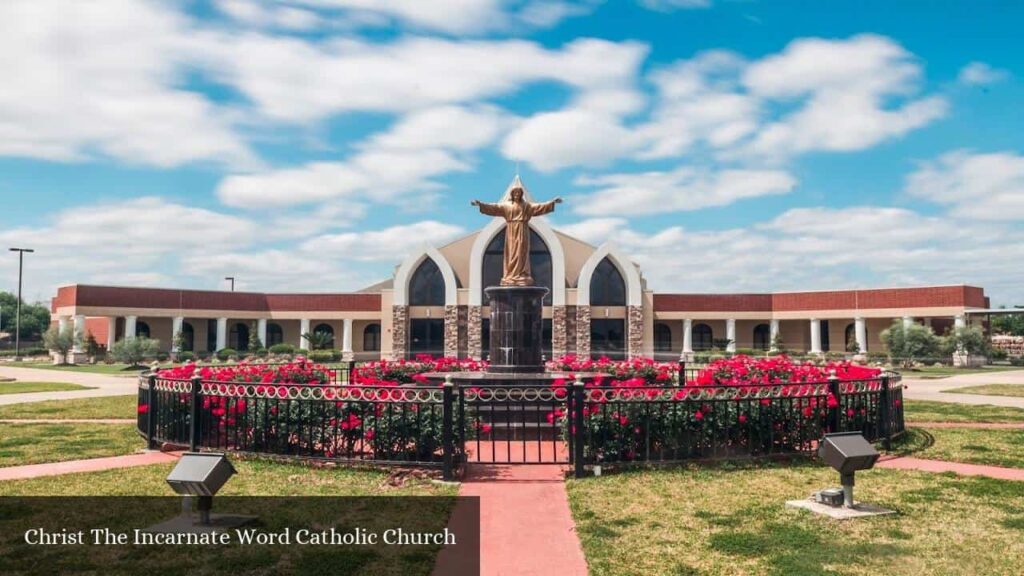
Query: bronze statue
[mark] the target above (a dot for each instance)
(517, 213)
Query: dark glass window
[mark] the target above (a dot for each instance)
(324, 334)
(540, 263)
(427, 285)
(607, 288)
(608, 338)
(275, 335)
(762, 337)
(142, 329)
(211, 335)
(823, 331)
(371, 338)
(188, 334)
(426, 336)
(702, 337)
(662, 337)
(239, 337)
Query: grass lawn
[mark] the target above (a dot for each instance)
(990, 390)
(928, 411)
(27, 387)
(732, 521)
(36, 443)
(254, 478)
(109, 369)
(934, 372)
(992, 447)
(102, 407)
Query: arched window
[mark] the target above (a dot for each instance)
(275, 334)
(141, 329)
(323, 337)
(427, 285)
(762, 337)
(702, 337)
(188, 337)
(662, 338)
(371, 338)
(239, 337)
(607, 288)
(540, 263)
(608, 338)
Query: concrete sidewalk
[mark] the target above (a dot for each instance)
(100, 384)
(932, 389)
(911, 463)
(90, 465)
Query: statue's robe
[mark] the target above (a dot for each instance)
(517, 237)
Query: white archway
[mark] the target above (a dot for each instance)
(634, 288)
(408, 268)
(496, 225)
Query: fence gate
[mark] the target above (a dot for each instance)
(513, 424)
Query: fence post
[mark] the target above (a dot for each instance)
(682, 372)
(835, 411)
(194, 431)
(447, 436)
(577, 426)
(351, 366)
(151, 413)
(885, 413)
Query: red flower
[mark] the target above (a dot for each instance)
(143, 408)
(743, 418)
(698, 415)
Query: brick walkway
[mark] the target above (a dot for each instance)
(90, 465)
(910, 463)
(526, 528)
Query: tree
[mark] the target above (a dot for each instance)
(318, 340)
(92, 347)
(910, 343)
(133, 351)
(35, 318)
(254, 339)
(180, 341)
(61, 341)
(969, 340)
(777, 344)
(1012, 324)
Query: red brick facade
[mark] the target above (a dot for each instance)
(930, 297)
(163, 298)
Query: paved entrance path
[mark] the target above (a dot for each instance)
(920, 389)
(90, 465)
(101, 384)
(910, 463)
(525, 524)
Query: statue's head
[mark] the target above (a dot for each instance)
(516, 194)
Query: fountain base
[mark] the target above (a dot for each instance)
(517, 343)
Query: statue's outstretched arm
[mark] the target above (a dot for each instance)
(489, 209)
(542, 208)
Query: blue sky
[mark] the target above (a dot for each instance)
(308, 145)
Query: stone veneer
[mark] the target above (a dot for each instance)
(570, 329)
(474, 348)
(559, 345)
(451, 331)
(583, 331)
(634, 331)
(463, 331)
(399, 332)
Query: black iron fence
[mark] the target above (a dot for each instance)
(576, 424)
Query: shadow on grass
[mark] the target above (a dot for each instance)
(914, 440)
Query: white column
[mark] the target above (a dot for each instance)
(176, 324)
(303, 329)
(111, 332)
(79, 333)
(907, 321)
(62, 323)
(774, 330)
(129, 326)
(815, 336)
(346, 338)
(730, 333)
(222, 333)
(960, 321)
(687, 336)
(261, 331)
(861, 329)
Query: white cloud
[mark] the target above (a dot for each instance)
(682, 189)
(670, 5)
(451, 127)
(87, 78)
(388, 244)
(554, 140)
(260, 14)
(982, 186)
(980, 74)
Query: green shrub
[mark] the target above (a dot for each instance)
(282, 349)
(1018, 361)
(203, 355)
(750, 352)
(186, 356)
(226, 353)
(321, 355)
(30, 351)
(61, 341)
(133, 351)
(302, 351)
(878, 356)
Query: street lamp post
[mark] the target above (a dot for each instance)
(17, 316)
(232, 279)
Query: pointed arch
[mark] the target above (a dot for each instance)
(634, 286)
(408, 268)
(496, 225)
